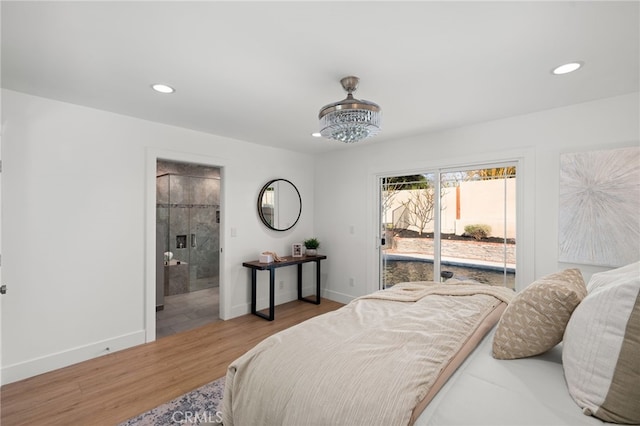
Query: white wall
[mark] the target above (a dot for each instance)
(75, 218)
(75, 212)
(346, 203)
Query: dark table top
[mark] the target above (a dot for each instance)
(286, 261)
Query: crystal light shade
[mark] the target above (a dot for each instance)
(350, 120)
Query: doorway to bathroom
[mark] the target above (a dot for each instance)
(188, 246)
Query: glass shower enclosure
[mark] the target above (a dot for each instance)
(188, 222)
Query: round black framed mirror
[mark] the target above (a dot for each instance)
(279, 205)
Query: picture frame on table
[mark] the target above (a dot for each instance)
(296, 250)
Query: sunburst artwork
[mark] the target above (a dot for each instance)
(599, 221)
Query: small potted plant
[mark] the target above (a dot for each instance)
(311, 246)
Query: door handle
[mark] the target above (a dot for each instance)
(3, 289)
(193, 240)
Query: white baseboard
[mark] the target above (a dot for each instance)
(337, 297)
(22, 370)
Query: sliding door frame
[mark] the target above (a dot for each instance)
(525, 207)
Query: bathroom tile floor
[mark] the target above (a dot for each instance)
(187, 311)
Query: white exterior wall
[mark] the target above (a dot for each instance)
(481, 203)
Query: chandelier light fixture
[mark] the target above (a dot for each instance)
(350, 119)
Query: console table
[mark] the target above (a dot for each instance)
(256, 266)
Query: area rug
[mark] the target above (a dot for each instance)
(198, 407)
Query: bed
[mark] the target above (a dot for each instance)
(486, 391)
(445, 354)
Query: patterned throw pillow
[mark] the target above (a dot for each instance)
(535, 320)
(601, 348)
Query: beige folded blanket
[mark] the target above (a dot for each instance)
(414, 291)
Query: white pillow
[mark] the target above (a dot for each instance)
(606, 278)
(601, 349)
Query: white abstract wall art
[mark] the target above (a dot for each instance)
(599, 222)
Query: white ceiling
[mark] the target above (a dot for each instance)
(260, 71)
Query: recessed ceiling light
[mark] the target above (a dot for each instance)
(163, 88)
(567, 68)
(316, 135)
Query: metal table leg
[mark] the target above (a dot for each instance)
(272, 296)
(305, 299)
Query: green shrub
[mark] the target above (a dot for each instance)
(477, 231)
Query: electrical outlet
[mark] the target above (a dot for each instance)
(281, 285)
(352, 282)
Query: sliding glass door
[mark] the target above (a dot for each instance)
(407, 218)
(449, 224)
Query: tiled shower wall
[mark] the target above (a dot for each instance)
(188, 204)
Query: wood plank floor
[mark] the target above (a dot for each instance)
(121, 385)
